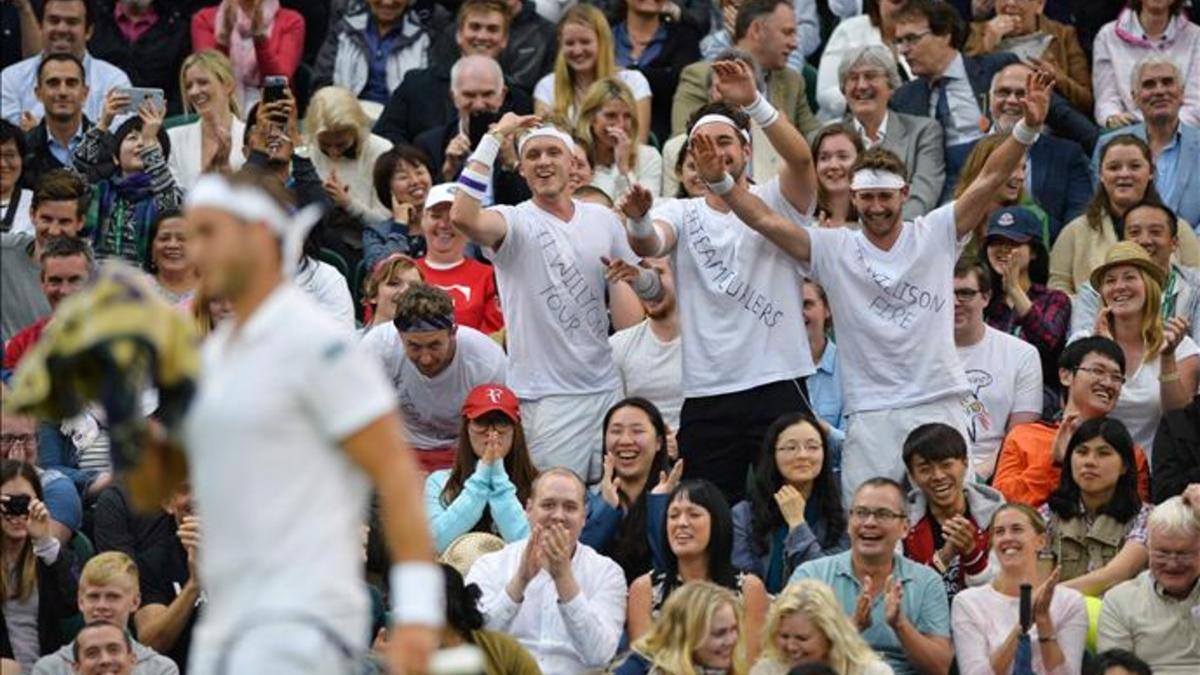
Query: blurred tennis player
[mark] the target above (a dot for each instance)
(289, 428)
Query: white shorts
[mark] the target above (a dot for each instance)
(278, 646)
(875, 440)
(564, 431)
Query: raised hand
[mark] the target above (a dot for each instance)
(1043, 595)
(216, 146)
(532, 560)
(1191, 497)
(338, 191)
(114, 104)
(512, 123)
(667, 482)
(960, 533)
(791, 503)
(1101, 327)
(893, 602)
(636, 203)
(39, 519)
(1070, 422)
(619, 270)
(862, 605)
(189, 536)
(709, 162)
(997, 28)
(620, 141)
(557, 549)
(610, 483)
(152, 120)
(27, 121)
(1174, 330)
(1039, 86)
(735, 82)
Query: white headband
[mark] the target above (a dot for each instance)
(545, 132)
(717, 117)
(254, 205)
(876, 179)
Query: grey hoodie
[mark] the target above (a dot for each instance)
(149, 662)
(983, 502)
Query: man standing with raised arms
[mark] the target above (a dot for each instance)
(289, 408)
(745, 350)
(549, 254)
(892, 286)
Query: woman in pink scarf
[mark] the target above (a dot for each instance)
(260, 38)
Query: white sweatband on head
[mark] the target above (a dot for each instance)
(485, 153)
(877, 179)
(252, 204)
(762, 112)
(1025, 134)
(723, 186)
(717, 117)
(546, 132)
(418, 593)
(473, 183)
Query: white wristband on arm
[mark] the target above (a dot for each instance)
(418, 594)
(762, 112)
(723, 186)
(641, 227)
(648, 286)
(485, 153)
(47, 549)
(1025, 134)
(473, 183)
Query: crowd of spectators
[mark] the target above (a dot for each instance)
(732, 336)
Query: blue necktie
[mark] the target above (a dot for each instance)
(942, 109)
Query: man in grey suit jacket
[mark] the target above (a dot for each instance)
(868, 75)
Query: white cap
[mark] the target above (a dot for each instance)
(442, 193)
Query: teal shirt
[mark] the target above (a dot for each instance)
(924, 604)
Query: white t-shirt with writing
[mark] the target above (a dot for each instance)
(432, 406)
(650, 368)
(893, 311)
(1005, 377)
(740, 298)
(552, 287)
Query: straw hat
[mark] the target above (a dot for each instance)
(462, 553)
(1128, 253)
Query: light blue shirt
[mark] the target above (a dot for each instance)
(1166, 167)
(487, 488)
(924, 604)
(825, 397)
(964, 109)
(17, 83)
(63, 152)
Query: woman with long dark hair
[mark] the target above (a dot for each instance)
(696, 545)
(794, 510)
(635, 452)
(1095, 519)
(492, 476)
(502, 654)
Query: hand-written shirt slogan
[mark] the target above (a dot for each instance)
(726, 280)
(899, 301)
(572, 301)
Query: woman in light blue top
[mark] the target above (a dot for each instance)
(492, 477)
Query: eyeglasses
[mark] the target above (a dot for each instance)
(1103, 374)
(965, 294)
(1182, 557)
(11, 441)
(497, 425)
(795, 448)
(910, 39)
(882, 515)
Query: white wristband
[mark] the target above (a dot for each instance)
(47, 549)
(418, 594)
(1024, 134)
(641, 227)
(723, 186)
(648, 286)
(762, 112)
(485, 153)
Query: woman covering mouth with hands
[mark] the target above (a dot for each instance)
(609, 127)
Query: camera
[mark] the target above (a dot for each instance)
(16, 505)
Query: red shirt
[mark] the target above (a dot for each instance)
(21, 343)
(472, 285)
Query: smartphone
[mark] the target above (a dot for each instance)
(479, 124)
(1026, 606)
(139, 95)
(16, 505)
(274, 88)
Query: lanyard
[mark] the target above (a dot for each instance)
(1168, 305)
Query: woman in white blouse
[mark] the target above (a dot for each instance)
(586, 55)
(213, 142)
(986, 619)
(609, 127)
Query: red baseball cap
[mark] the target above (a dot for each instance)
(490, 397)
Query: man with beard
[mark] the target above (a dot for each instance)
(745, 351)
(648, 355)
(547, 254)
(892, 285)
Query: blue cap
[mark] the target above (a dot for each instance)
(1014, 223)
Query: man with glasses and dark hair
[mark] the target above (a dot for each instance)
(1091, 371)
(1154, 615)
(899, 605)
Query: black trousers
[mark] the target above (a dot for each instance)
(720, 437)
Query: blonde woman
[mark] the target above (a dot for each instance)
(213, 142)
(609, 128)
(344, 152)
(806, 624)
(1162, 364)
(585, 55)
(699, 631)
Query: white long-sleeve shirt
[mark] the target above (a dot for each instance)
(565, 638)
(982, 618)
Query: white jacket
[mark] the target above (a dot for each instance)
(343, 58)
(187, 151)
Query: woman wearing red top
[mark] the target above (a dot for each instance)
(445, 265)
(259, 37)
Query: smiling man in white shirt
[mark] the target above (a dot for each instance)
(564, 601)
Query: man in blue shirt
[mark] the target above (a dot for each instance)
(900, 606)
(62, 90)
